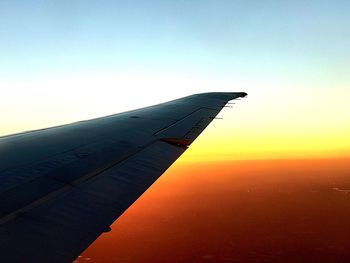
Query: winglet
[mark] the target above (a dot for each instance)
(242, 94)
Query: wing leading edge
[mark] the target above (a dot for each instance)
(62, 187)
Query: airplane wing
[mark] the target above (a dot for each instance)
(62, 187)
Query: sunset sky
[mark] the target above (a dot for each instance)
(63, 61)
(228, 198)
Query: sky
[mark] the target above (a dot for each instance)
(64, 61)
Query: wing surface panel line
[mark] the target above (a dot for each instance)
(73, 184)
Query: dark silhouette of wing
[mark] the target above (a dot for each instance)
(62, 187)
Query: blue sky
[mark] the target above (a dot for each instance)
(216, 37)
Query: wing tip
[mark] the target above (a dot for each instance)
(223, 95)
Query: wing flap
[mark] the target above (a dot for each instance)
(196, 120)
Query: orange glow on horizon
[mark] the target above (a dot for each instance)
(273, 122)
(225, 211)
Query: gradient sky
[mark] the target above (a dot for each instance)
(63, 61)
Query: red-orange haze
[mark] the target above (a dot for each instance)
(241, 211)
